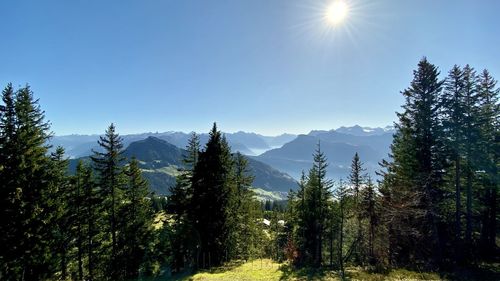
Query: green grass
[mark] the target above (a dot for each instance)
(254, 270)
(266, 269)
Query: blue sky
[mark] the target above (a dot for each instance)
(267, 66)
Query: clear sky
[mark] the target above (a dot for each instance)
(267, 66)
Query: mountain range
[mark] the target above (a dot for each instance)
(160, 162)
(276, 161)
(339, 148)
(246, 143)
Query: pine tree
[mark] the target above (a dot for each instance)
(312, 211)
(357, 180)
(300, 222)
(211, 195)
(91, 237)
(31, 180)
(369, 210)
(109, 167)
(59, 208)
(178, 204)
(471, 138)
(341, 195)
(136, 220)
(76, 207)
(453, 122)
(489, 157)
(244, 211)
(415, 177)
(9, 198)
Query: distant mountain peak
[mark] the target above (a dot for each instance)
(358, 130)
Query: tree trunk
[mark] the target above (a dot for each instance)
(468, 229)
(458, 210)
(341, 243)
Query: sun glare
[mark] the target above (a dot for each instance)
(337, 12)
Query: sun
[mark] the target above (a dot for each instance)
(337, 12)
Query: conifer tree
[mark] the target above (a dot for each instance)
(210, 200)
(415, 177)
(77, 208)
(489, 157)
(453, 121)
(108, 164)
(471, 139)
(31, 180)
(312, 211)
(136, 220)
(59, 207)
(91, 225)
(357, 180)
(300, 221)
(244, 210)
(369, 202)
(178, 204)
(341, 195)
(8, 192)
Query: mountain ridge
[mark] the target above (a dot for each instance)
(160, 162)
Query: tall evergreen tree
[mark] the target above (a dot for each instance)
(453, 122)
(357, 180)
(178, 204)
(136, 220)
(10, 202)
(243, 211)
(76, 207)
(32, 183)
(25, 183)
(341, 194)
(369, 210)
(210, 200)
(313, 211)
(415, 176)
(471, 139)
(108, 164)
(59, 200)
(489, 157)
(91, 225)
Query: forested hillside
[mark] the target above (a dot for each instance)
(434, 207)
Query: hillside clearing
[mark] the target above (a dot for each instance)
(267, 269)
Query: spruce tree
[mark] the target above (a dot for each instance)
(77, 208)
(244, 211)
(489, 157)
(471, 139)
(210, 200)
(10, 202)
(369, 210)
(313, 213)
(178, 204)
(453, 122)
(136, 219)
(341, 194)
(30, 168)
(108, 163)
(415, 176)
(91, 226)
(60, 209)
(357, 180)
(300, 217)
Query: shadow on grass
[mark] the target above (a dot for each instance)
(187, 275)
(305, 273)
(486, 272)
